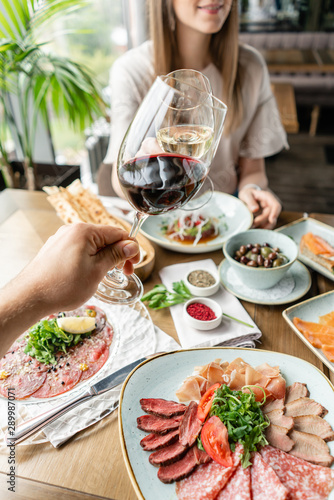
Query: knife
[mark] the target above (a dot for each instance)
(37, 423)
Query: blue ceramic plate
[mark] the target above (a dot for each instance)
(294, 285)
(232, 214)
(301, 226)
(161, 376)
(310, 310)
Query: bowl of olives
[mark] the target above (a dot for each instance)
(260, 257)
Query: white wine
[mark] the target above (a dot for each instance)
(188, 140)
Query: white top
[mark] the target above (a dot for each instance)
(260, 134)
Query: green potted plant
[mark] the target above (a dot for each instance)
(40, 80)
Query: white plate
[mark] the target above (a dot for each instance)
(231, 211)
(161, 376)
(135, 338)
(308, 225)
(294, 285)
(310, 310)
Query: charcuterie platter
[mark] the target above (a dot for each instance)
(162, 376)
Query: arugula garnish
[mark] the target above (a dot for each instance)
(45, 339)
(243, 419)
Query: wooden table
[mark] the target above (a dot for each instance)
(90, 465)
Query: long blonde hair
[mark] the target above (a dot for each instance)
(224, 48)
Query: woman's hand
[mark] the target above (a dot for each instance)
(263, 204)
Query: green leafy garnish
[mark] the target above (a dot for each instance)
(45, 339)
(243, 418)
(159, 297)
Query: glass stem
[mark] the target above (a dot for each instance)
(117, 274)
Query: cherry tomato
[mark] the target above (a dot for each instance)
(214, 438)
(205, 403)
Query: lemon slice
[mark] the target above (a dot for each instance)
(76, 324)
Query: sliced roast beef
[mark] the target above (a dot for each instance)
(190, 425)
(154, 442)
(168, 455)
(160, 425)
(304, 406)
(278, 437)
(180, 469)
(295, 391)
(277, 417)
(162, 408)
(201, 456)
(277, 404)
(311, 448)
(312, 424)
(184, 467)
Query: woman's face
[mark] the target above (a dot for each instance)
(205, 16)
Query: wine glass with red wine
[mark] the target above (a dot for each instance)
(164, 160)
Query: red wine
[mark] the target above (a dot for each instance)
(159, 183)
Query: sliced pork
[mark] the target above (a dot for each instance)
(167, 455)
(295, 391)
(277, 404)
(311, 448)
(312, 424)
(162, 408)
(278, 437)
(153, 441)
(190, 425)
(277, 417)
(304, 406)
(160, 425)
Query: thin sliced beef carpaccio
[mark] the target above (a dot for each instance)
(22, 373)
(168, 455)
(190, 425)
(162, 407)
(154, 442)
(160, 425)
(264, 482)
(238, 487)
(303, 480)
(207, 480)
(29, 377)
(59, 381)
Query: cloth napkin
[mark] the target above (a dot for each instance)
(229, 332)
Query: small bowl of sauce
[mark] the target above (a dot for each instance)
(202, 283)
(202, 314)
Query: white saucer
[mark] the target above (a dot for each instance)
(295, 284)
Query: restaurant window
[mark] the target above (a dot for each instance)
(94, 36)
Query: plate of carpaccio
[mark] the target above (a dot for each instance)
(223, 423)
(65, 369)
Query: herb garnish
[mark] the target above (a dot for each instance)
(159, 297)
(45, 339)
(243, 418)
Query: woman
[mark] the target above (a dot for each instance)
(203, 35)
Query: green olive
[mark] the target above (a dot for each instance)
(265, 252)
(278, 262)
